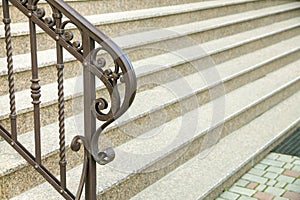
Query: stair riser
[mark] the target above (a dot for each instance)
(238, 27)
(138, 182)
(47, 74)
(21, 43)
(255, 45)
(118, 135)
(261, 71)
(22, 79)
(93, 7)
(250, 115)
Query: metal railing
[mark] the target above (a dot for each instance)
(84, 51)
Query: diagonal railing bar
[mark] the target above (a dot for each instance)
(31, 160)
(85, 51)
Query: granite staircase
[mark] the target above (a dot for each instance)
(218, 88)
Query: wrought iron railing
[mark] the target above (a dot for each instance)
(84, 51)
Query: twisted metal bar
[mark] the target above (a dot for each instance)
(61, 119)
(9, 55)
(57, 16)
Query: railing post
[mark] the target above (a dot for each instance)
(89, 94)
(35, 86)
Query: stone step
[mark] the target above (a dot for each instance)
(92, 7)
(206, 176)
(114, 24)
(231, 111)
(167, 41)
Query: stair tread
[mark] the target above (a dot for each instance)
(107, 18)
(227, 156)
(227, 70)
(247, 97)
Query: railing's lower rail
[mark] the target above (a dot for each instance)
(31, 160)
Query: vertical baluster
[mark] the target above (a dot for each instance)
(61, 114)
(9, 54)
(89, 93)
(35, 86)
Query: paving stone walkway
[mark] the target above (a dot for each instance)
(276, 177)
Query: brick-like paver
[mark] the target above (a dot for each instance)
(297, 182)
(230, 195)
(288, 166)
(261, 166)
(271, 182)
(277, 170)
(274, 163)
(270, 175)
(275, 191)
(280, 184)
(246, 198)
(297, 162)
(280, 198)
(254, 178)
(292, 173)
(296, 168)
(285, 178)
(257, 172)
(243, 191)
(293, 187)
(277, 177)
(261, 187)
(263, 196)
(285, 158)
(252, 185)
(291, 195)
(242, 183)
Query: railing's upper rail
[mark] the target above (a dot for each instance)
(85, 52)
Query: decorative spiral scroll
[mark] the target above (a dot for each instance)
(40, 12)
(62, 32)
(110, 79)
(68, 35)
